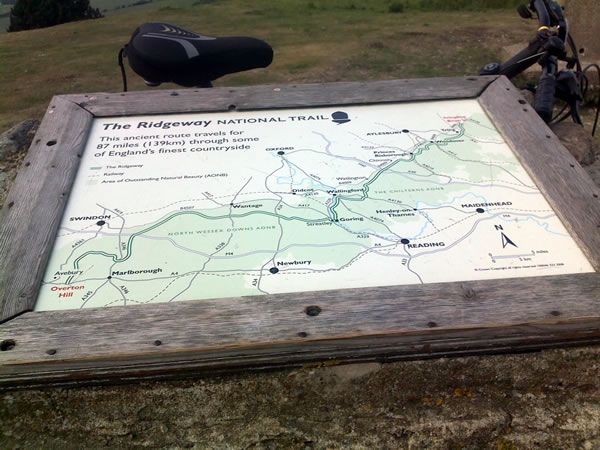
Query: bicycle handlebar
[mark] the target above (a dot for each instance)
(530, 55)
(538, 45)
(522, 60)
(542, 12)
(547, 48)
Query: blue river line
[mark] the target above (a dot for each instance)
(288, 180)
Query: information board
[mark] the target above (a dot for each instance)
(169, 233)
(185, 207)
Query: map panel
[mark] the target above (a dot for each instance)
(212, 205)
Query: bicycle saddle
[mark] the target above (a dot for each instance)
(161, 52)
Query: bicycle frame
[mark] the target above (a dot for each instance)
(547, 48)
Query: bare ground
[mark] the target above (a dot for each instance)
(549, 399)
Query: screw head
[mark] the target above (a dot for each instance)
(313, 310)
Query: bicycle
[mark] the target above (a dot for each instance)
(547, 48)
(161, 52)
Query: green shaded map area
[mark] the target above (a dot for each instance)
(267, 203)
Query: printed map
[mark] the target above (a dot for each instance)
(182, 207)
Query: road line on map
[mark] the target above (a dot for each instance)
(93, 294)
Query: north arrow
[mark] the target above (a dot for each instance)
(506, 241)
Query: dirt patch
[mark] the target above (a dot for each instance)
(14, 144)
(542, 400)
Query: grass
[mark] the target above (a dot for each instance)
(106, 6)
(464, 5)
(313, 41)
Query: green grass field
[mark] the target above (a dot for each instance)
(314, 41)
(109, 7)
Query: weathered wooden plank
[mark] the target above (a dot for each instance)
(276, 328)
(34, 207)
(283, 96)
(566, 186)
(264, 331)
(522, 337)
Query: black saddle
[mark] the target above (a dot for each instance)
(161, 52)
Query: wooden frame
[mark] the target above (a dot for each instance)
(65, 347)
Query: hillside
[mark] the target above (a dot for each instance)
(107, 7)
(313, 42)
